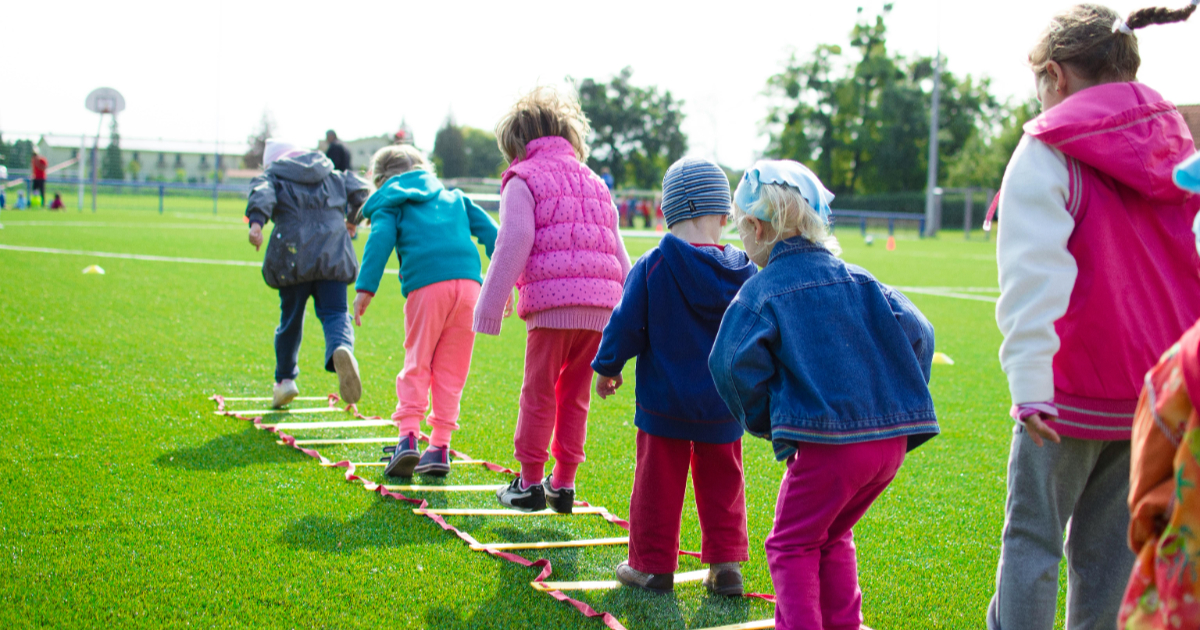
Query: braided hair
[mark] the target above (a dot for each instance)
(1097, 43)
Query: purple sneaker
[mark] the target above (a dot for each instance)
(404, 457)
(435, 462)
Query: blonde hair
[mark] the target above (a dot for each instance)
(397, 159)
(543, 112)
(789, 211)
(1084, 38)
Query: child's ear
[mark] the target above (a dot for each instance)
(724, 219)
(759, 227)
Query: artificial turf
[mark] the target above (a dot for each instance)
(126, 501)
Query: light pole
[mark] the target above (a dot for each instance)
(931, 179)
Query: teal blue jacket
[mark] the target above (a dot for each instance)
(429, 227)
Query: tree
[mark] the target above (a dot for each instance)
(112, 166)
(864, 127)
(484, 158)
(635, 131)
(981, 162)
(18, 154)
(450, 150)
(258, 141)
(133, 168)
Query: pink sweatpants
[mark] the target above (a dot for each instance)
(810, 552)
(554, 402)
(437, 357)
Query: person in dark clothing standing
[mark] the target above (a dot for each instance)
(337, 152)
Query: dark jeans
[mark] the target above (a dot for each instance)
(329, 300)
(39, 185)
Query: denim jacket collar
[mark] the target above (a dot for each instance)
(795, 245)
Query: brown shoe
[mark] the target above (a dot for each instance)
(724, 578)
(661, 583)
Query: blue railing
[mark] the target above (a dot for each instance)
(891, 217)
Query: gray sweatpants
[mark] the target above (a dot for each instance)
(1080, 487)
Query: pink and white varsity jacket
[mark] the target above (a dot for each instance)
(1098, 269)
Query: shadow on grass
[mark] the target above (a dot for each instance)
(513, 606)
(230, 451)
(640, 609)
(387, 523)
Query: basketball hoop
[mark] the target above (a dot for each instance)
(105, 101)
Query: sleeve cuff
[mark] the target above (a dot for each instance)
(1031, 383)
(487, 325)
(607, 371)
(370, 293)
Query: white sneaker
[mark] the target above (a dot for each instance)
(284, 393)
(349, 383)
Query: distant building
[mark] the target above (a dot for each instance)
(363, 149)
(1191, 113)
(157, 160)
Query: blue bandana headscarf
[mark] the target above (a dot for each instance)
(787, 173)
(1187, 175)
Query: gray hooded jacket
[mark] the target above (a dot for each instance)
(310, 204)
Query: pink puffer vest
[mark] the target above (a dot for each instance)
(574, 257)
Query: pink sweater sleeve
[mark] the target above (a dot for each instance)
(513, 245)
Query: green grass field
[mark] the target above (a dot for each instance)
(126, 501)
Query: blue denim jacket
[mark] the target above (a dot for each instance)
(816, 350)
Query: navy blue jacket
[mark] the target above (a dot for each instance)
(816, 350)
(668, 317)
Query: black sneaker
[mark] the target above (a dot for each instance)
(435, 462)
(560, 500)
(531, 499)
(404, 457)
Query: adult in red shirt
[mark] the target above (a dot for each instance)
(38, 165)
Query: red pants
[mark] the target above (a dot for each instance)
(656, 507)
(555, 399)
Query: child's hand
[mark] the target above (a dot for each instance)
(351, 228)
(361, 301)
(256, 236)
(607, 385)
(1039, 430)
(508, 307)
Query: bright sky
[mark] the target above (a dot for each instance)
(207, 70)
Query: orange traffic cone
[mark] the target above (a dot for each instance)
(891, 243)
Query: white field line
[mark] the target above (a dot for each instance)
(142, 257)
(962, 293)
(132, 226)
(948, 293)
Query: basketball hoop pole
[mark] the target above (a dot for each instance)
(95, 149)
(82, 161)
(101, 101)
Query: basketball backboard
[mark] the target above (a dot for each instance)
(105, 101)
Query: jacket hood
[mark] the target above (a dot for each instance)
(417, 185)
(306, 168)
(707, 285)
(1126, 131)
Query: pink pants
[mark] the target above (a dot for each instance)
(656, 507)
(810, 552)
(554, 402)
(437, 357)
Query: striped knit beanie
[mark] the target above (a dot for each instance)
(694, 187)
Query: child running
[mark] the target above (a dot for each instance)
(830, 365)
(314, 209)
(430, 228)
(668, 318)
(1097, 279)
(559, 245)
